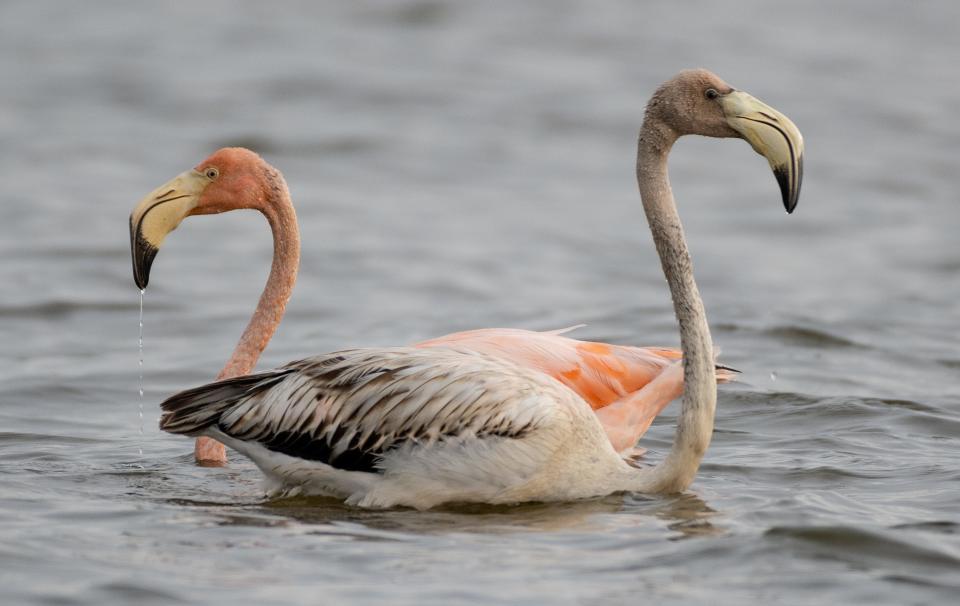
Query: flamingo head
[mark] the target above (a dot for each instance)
(231, 178)
(698, 102)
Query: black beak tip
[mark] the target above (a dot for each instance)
(142, 253)
(140, 280)
(789, 204)
(790, 196)
(143, 256)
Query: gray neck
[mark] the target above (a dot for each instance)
(695, 425)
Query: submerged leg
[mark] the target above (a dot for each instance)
(209, 453)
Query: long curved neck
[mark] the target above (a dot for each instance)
(278, 209)
(695, 424)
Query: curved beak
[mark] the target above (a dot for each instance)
(158, 214)
(773, 136)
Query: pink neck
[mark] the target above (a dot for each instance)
(278, 209)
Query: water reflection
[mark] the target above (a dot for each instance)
(231, 495)
(685, 515)
(461, 518)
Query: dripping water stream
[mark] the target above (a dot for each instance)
(140, 381)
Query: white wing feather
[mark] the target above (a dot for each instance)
(440, 424)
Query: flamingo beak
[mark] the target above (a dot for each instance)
(158, 214)
(773, 136)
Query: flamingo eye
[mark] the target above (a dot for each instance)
(712, 93)
(211, 173)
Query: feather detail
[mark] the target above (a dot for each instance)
(563, 331)
(350, 408)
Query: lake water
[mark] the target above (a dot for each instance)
(465, 165)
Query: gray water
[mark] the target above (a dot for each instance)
(471, 165)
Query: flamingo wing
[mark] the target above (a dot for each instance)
(600, 373)
(626, 386)
(456, 421)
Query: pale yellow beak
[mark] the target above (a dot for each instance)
(773, 136)
(158, 214)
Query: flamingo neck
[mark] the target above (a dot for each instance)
(695, 424)
(278, 209)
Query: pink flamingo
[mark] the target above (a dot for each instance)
(490, 416)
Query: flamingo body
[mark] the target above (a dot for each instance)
(407, 426)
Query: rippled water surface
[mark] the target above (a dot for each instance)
(465, 165)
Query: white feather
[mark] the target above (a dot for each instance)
(407, 426)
